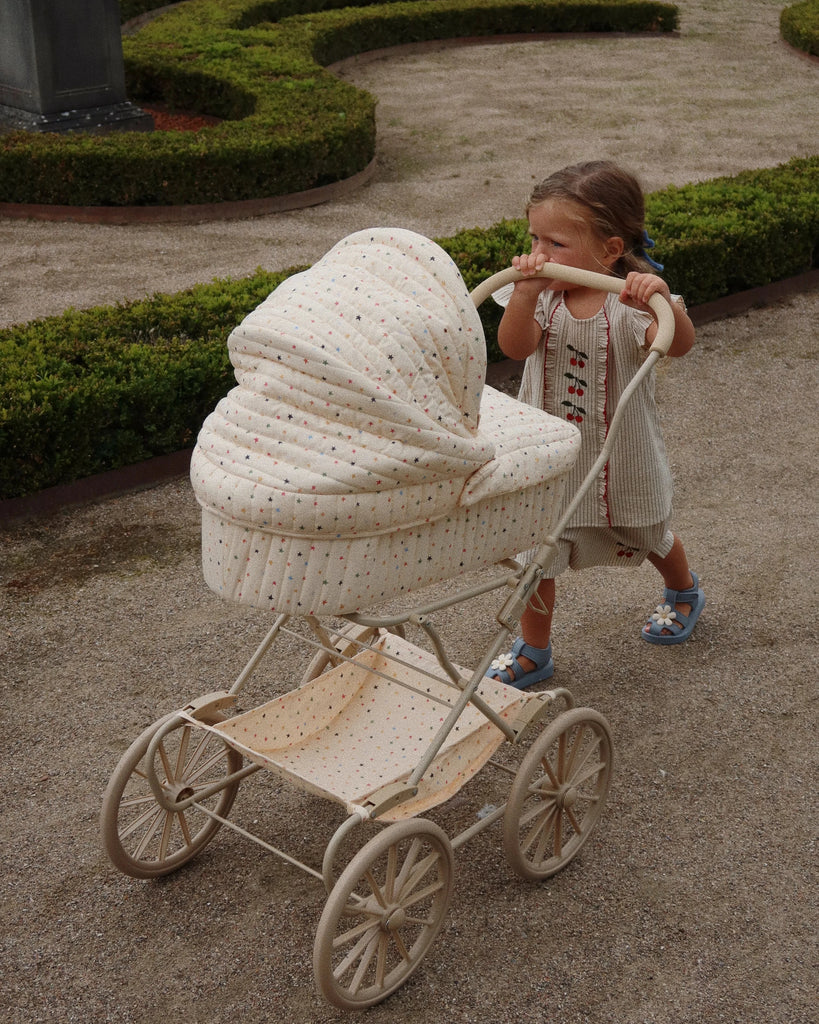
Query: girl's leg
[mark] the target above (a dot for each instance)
(675, 573)
(535, 628)
(536, 621)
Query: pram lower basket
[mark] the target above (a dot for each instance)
(337, 735)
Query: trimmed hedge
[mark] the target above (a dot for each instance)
(100, 389)
(129, 9)
(799, 26)
(289, 125)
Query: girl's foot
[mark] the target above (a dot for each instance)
(523, 666)
(673, 621)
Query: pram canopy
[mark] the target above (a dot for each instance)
(360, 424)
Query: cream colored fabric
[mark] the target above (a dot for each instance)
(337, 735)
(361, 455)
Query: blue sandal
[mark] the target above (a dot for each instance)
(665, 616)
(542, 657)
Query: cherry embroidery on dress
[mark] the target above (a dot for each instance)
(577, 386)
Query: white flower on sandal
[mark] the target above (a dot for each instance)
(664, 615)
(502, 662)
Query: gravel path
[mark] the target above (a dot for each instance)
(695, 901)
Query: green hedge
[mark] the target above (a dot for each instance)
(129, 9)
(97, 390)
(799, 26)
(289, 125)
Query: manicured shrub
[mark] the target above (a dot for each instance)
(723, 236)
(129, 9)
(799, 26)
(96, 390)
(289, 125)
(103, 388)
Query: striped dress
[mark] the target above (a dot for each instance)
(579, 372)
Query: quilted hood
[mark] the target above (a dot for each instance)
(363, 374)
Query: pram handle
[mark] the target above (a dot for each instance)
(589, 279)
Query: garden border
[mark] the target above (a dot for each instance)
(287, 124)
(242, 209)
(195, 213)
(164, 468)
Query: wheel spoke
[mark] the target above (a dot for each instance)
(366, 960)
(576, 743)
(588, 749)
(381, 962)
(194, 770)
(421, 922)
(165, 840)
(151, 813)
(547, 768)
(390, 880)
(537, 809)
(402, 949)
(561, 757)
(420, 871)
(573, 821)
(422, 894)
(150, 832)
(182, 753)
(183, 824)
(540, 831)
(364, 938)
(163, 757)
(557, 848)
(408, 866)
(590, 772)
(343, 938)
(537, 789)
(375, 888)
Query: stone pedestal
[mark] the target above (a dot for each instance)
(61, 68)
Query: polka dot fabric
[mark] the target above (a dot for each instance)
(350, 732)
(361, 456)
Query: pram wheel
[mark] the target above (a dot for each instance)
(558, 794)
(383, 914)
(142, 838)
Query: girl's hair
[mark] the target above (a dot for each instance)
(614, 201)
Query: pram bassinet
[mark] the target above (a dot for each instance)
(361, 455)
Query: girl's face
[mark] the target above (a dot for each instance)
(561, 233)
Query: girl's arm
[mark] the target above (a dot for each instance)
(638, 290)
(519, 333)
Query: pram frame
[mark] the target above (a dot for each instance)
(205, 714)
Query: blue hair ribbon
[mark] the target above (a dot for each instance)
(648, 243)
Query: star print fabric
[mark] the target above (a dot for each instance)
(360, 408)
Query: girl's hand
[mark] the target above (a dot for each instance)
(529, 264)
(636, 292)
(639, 288)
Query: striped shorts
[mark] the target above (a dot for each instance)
(623, 546)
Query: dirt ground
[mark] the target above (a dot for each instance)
(695, 900)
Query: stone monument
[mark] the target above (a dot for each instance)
(61, 68)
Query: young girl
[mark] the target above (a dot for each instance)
(582, 347)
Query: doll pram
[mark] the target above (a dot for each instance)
(360, 459)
